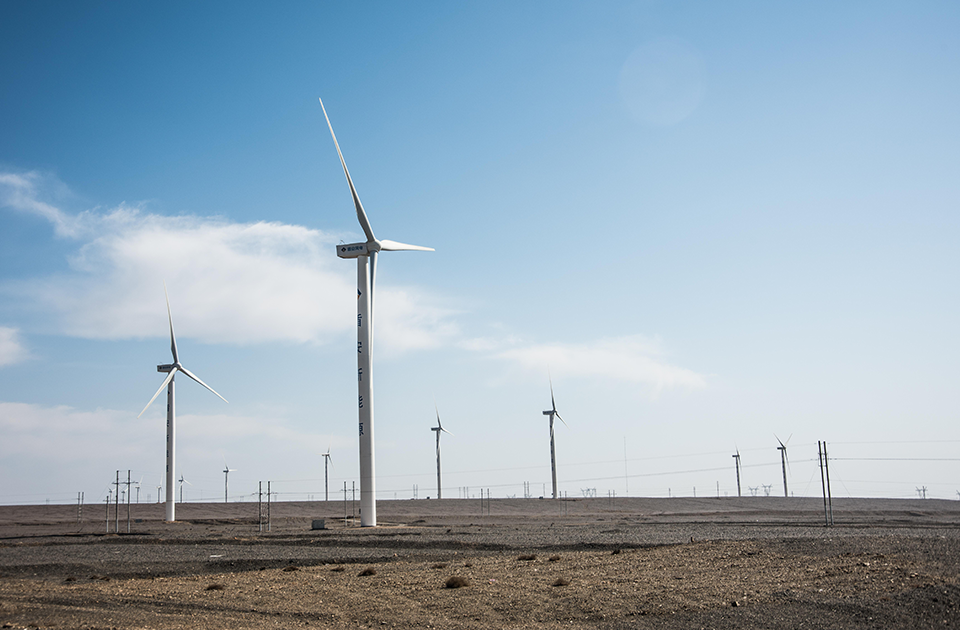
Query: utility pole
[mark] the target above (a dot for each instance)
(128, 501)
(737, 458)
(116, 510)
(826, 467)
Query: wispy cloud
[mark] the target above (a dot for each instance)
(12, 350)
(66, 448)
(229, 282)
(262, 282)
(22, 191)
(632, 359)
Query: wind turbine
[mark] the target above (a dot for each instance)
(737, 457)
(171, 370)
(366, 255)
(326, 483)
(439, 429)
(226, 476)
(553, 453)
(183, 481)
(784, 460)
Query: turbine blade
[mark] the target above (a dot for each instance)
(562, 420)
(445, 431)
(394, 246)
(553, 403)
(361, 215)
(166, 381)
(173, 338)
(191, 375)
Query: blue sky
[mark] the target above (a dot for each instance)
(710, 224)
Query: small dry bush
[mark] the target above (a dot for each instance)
(292, 567)
(527, 558)
(562, 582)
(339, 568)
(554, 558)
(368, 571)
(614, 552)
(440, 565)
(215, 587)
(456, 581)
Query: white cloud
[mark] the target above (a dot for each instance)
(228, 282)
(263, 282)
(632, 359)
(58, 449)
(63, 433)
(11, 348)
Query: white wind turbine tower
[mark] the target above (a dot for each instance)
(326, 482)
(226, 476)
(784, 460)
(182, 481)
(553, 452)
(737, 458)
(438, 430)
(366, 255)
(171, 370)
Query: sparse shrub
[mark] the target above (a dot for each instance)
(562, 581)
(291, 567)
(368, 571)
(215, 587)
(456, 581)
(527, 557)
(440, 565)
(468, 564)
(614, 552)
(69, 578)
(339, 568)
(554, 558)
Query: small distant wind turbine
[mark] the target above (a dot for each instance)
(737, 457)
(366, 255)
(438, 430)
(326, 483)
(183, 481)
(171, 370)
(553, 452)
(226, 476)
(784, 460)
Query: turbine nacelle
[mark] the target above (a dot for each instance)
(356, 250)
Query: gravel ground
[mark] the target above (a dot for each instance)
(594, 563)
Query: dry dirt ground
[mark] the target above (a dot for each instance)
(632, 563)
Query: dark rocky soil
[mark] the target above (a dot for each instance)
(632, 563)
